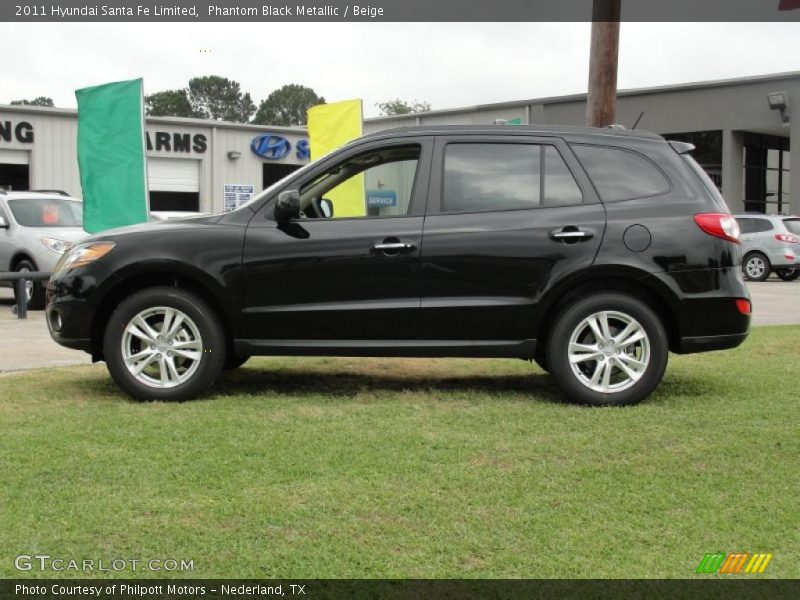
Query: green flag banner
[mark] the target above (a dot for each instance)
(111, 155)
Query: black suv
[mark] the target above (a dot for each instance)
(592, 252)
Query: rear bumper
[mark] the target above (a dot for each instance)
(704, 304)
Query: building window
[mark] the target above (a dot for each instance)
(707, 153)
(766, 173)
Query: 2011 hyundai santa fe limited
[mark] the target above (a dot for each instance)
(593, 252)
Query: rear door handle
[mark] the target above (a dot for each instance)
(571, 234)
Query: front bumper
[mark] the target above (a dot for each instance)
(71, 305)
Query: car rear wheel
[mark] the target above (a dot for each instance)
(609, 349)
(756, 267)
(164, 343)
(35, 290)
(788, 274)
(234, 361)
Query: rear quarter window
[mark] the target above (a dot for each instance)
(793, 225)
(619, 174)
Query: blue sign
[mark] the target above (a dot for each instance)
(381, 198)
(275, 147)
(303, 150)
(270, 146)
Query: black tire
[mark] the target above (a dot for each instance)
(788, 274)
(36, 291)
(234, 361)
(540, 358)
(571, 321)
(756, 267)
(200, 320)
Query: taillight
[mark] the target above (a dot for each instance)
(785, 237)
(719, 225)
(743, 306)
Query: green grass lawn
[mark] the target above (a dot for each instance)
(409, 468)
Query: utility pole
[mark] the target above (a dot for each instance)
(601, 103)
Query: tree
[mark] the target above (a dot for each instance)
(40, 101)
(218, 98)
(169, 103)
(401, 107)
(287, 106)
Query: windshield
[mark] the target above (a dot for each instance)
(47, 212)
(792, 225)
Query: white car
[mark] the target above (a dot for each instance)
(36, 228)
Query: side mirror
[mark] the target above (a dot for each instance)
(288, 205)
(3, 223)
(326, 208)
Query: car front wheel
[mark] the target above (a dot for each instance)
(608, 349)
(788, 274)
(164, 343)
(35, 290)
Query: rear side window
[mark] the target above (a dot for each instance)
(496, 177)
(793, 225)
(754, 225)
(621, 174)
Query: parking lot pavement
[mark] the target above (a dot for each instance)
(775, 302)
(27, 344)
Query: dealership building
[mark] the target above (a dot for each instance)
(745, 130)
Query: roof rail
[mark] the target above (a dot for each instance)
(615, 126)
(59, 192)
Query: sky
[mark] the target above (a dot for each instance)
(447, 64)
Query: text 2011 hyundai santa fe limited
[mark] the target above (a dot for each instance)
(593, 252)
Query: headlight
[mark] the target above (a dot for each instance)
(82, 255)
(56, 245)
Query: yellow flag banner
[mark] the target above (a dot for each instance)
(331, 126)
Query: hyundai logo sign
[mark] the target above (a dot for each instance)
(275, 147)
(270, 146)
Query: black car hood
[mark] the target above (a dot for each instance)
(155, 226)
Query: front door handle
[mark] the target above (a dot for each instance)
(571, 234)
(393, 246)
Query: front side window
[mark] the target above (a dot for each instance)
(44, 212)
(620, 174)
(376, 184)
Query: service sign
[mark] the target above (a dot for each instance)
(381, 198)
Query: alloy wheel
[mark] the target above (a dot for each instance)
(609, 351)
(755, 267)
(162, 347)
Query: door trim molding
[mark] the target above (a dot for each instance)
(389, 348)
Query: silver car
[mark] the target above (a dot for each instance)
(770, 244)
(36, 228)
